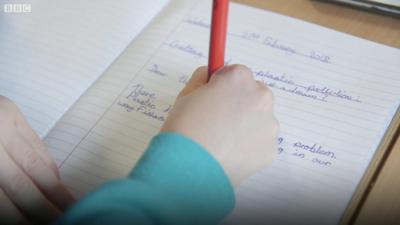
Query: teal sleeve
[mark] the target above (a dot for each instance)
(175, 182)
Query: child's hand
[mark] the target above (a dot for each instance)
(231, 116)
(30, 187)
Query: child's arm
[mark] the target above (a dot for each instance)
(175, 182)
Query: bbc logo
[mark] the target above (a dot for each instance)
(17, 8)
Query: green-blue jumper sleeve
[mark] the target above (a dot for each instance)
(175, 182)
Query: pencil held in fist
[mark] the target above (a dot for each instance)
(231, 116)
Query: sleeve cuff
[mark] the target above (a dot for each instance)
(188, 174)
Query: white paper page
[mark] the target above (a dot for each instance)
(334, 101)
(50, 56)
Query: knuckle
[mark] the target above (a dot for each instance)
(31, 161)
(240, 69)
(267, 94)
(242, 72)
(237, 73)
(265, 99)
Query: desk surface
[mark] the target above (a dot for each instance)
(382, 205)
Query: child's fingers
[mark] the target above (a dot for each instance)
(29, 134)
(198, 79)
(31, 163)
(20, 189)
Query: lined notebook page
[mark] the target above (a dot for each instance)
(50, 56)
(335, 96)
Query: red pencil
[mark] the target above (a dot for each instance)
(219, 24)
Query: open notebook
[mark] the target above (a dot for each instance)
(80, 71)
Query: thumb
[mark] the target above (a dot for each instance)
(198, 79)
